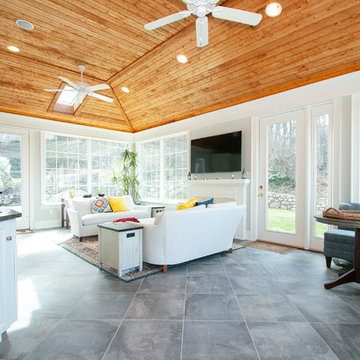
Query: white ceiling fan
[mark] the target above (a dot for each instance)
(201, 8)
(82, 89)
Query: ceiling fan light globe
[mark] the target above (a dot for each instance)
(273, 9)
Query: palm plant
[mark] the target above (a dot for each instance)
(128, 181)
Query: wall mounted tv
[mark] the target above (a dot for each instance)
(220, 153)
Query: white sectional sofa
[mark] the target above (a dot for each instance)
(178, 236)
(84, 223)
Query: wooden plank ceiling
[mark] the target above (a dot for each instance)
(312, 40)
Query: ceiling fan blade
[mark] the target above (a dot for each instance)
(69, 82)
(101, 97)
(167, 20)
(240, 16)
(98, 87)
(202, 33)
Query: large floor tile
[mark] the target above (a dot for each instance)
(102, 306)
(344, 340)
(146, 340)
(109, 283)
(208, 284)
(289, 341)
(352, 300)
(157, 306)
(251, 284)
(259, 308)
(301, 285)
(163, 283)
(202, 268)
(23, 336)
(76, 340)
(215, 340)
(327, 309)
(212, 307)
(48, 304)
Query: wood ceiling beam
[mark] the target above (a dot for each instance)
(118, 104)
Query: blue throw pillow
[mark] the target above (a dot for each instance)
(206, 203)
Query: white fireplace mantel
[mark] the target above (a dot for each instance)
(231, 188)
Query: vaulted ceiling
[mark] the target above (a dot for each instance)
(310, 41)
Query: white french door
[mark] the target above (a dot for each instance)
(282, 175)
(14, 173)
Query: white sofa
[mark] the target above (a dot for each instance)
(174, 237)
(84, 223)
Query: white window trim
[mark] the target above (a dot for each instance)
(355, 148)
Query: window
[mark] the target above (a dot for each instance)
(175, 167)
(149, 162)
(67, 97)
(82, 164)
(66, 101)
(163, 168)
(104, 160)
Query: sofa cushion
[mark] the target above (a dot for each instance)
(94, 219)
(189, 204)
(129, 202)
(100, 205)
(118, 204)
(82, 206)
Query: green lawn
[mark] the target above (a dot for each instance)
(284, 220)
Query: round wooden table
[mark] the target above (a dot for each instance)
(354, 274)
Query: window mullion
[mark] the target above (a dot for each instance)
(89, 172)
(162, 174)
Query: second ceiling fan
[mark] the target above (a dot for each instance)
(201, 8)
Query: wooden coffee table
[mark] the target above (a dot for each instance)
(354, 274)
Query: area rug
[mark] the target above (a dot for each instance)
(276, 248)
(88, 250)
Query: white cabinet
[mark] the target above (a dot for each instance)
(120, 247)
(8, 278)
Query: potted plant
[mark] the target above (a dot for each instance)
(128, 181)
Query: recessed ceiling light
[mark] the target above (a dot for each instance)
(273, 9)
(125, 89)
(24, 24)
(181, 59)
(13, 48)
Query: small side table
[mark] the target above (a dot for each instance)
(156, 209)
(120, 246)
(354, 274)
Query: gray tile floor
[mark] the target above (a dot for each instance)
(250, 304)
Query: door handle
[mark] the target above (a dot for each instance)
(9, 238)
(261, 188)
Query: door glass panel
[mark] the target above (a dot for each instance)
(322, 180)
(281, 176)
(10, 171)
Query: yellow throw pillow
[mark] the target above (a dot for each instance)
(189, 204)
(118, 204)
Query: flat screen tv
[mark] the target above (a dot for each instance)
(220, 153)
